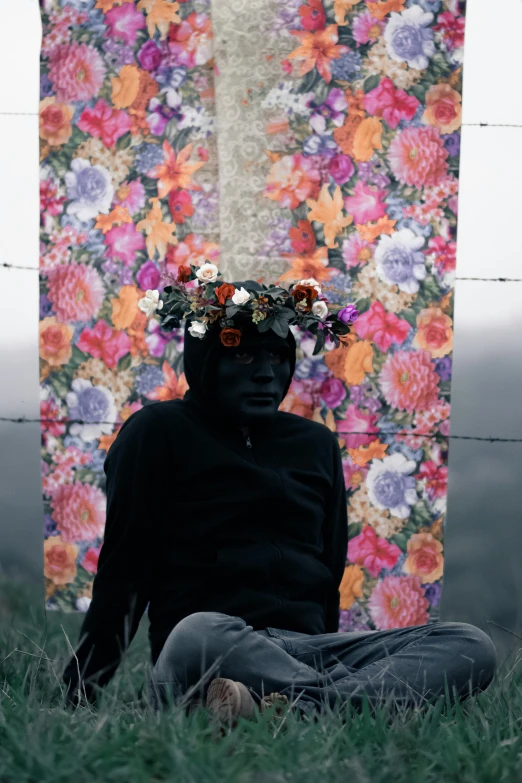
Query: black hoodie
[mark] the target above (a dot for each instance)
(201, 519)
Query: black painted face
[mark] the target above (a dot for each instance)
(251, 380)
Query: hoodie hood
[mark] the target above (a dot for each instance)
(200, 356)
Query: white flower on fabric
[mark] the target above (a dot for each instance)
(241, 296)
(409, 37)
(94, 408)
(312, 282)
(150, 303)
(320, 309)
(83, 603)
(90, 189)
(207, 273)
(399, 260)
(390, 486)
(198, 329)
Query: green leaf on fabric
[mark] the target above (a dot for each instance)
(371, 83)
(363, 304)
(420, 515)
(60, 385)
(430, 288)
(419, 91)
(78, 356)
(409, 316)
(401, 540)
(125, 363)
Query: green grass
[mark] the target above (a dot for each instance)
(124, 740)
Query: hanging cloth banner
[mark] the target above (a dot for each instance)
(282, 140)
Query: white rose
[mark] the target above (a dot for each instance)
(150, 303)
(207, 273)
(198, 329)
(83, 603)
(311, 281)
(320, 309)
(241, 296)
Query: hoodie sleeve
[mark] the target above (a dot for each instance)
(335, 538)
(120, 588)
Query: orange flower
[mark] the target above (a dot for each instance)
(59, 561)
(434, 332)
(341, 8)
(174, 388)
(125, 307)
(443, 108)
(230, 337)
(160, 14)
(313, 265)
(367, 138)
(224, 292)
(351, 585)
(329, 421)
(344, 135)
(371, 231)
(425, 558)
(381, 9)
(125, 87)
(116, 217)
(293, 403)
(106, 5)
(136, 333)
(175, 172)
(329, 211)
(55, 341)
(291, 180)
(364, 454)
(159, 234)
(351, 364)
(277, 126)
(106, 441)
(318, 50)
(55, 121)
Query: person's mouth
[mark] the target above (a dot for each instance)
(261, 397)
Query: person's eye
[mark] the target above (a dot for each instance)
(275, 357)
(243, 357)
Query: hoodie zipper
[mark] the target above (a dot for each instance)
(248, 442)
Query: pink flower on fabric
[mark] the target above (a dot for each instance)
(444, 254)
(354, 475)
(398, 602)
(104, 342)
(391, 104)
(409, 381)
(79, 512)
(76, 292)
(436, 478)
(131, 195)
(357, 251)
(77, 72)
(123, 242)
(333, 392)
(105, 123)
(371, 552)
(357, 421)
(417, 157)
(341, 168)
(148, 277)
(124, 22)
(90, 561)
(366, 29)
(381, 327)
(366, 204)
(191, 41)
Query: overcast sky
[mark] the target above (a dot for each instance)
(483, 579)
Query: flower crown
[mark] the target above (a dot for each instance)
(213, 301)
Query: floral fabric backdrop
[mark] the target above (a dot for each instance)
(305, 138)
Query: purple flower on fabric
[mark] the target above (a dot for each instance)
(90, 189)
(400, 261)
(147, 378)
(148, 156)
(390, 487)
(443, 368)
(433, 593)
(157, 339)
(326, 146)
(49, 526)
(87, 402)
(341, 169)
(171, 77)
(333, 392)
(346, 67)
(452, 143)
(46, 86)
(46, 306)
(117, 54)
(409, 37)
(149, 56)
(332, 109)
(160, 115)
(148, 276)
(353, 619)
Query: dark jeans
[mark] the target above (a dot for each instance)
(406, 665)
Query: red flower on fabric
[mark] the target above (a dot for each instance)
(180, 205)
(105, 123)
(312, 15)
(302, 237)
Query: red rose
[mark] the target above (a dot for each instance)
(224, 292)
(183, 273)
(230, 337)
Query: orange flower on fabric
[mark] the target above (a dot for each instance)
(318, 50)
(224, 292)
(174, 388)
(55, 121)
(116, 217)
(125, 87)
(443, 108)
(351, 586)
(313, 265)
(106, 5)
(341, 8)
(364, 454)
(55, 341)
(425, 558)
(230, 337)
(60, 561)
(175, 172)
(379, 10)
(367, 138)
(371, 231)
(125, 306)
(160, 14)
(329, 211)
(352, 363)
(434, 332)
(159, 234)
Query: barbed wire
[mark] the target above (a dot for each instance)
(482, 279)
(405, 433)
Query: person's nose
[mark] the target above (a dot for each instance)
(263, 372)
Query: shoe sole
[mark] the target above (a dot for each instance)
(228, 700)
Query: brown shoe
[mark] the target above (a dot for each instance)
(229, 700)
